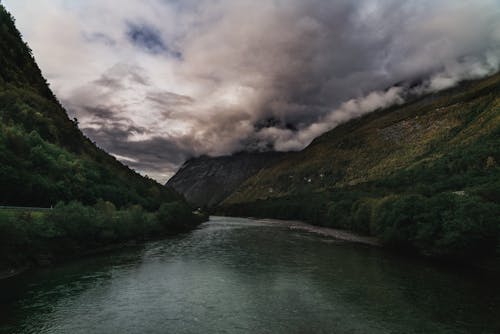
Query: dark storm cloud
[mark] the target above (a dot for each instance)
(145, 37)
(113, 132)
(117, 76)
(99, 112)
(169, 98)
(158, 155)
(167, 103)
(148, 38)
(310, 65)
(214, 77)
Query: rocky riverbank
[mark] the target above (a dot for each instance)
(326, 231)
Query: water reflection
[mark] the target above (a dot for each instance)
(242, 276)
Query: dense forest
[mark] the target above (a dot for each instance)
(423, 177)
(46, 161)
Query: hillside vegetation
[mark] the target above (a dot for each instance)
(424, 176)
(46, 161)
(44, 157)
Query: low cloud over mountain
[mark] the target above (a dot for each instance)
(157, 81)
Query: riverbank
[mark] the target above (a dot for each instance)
(31, 239)
(6, 273)
(326, 231)
(49, 259)
(11, 272)
(489, 265)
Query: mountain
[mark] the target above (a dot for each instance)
(423, 176)
(450, 128)
(44, 157)
(205, 181)
(46, 161)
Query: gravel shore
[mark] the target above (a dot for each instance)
(326, 231)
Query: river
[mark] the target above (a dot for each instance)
(235, 275)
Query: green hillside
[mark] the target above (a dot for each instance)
(46, 161)
(424, 176)
(44, 157)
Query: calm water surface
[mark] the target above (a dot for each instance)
(241, 276)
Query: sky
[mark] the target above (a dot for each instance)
(155, 82)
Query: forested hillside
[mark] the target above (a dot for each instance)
(424, 176)
(44, 156)
(46, 161)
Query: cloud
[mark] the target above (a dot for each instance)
(286, 139)
(145, 37)
(214, 77)
(148, 39)
(466, 69)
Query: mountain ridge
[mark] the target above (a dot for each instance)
(422, 176)
(400, 122)
(206, 181)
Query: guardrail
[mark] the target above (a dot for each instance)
(26, 208)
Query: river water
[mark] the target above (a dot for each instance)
(236, 275)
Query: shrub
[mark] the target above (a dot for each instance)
(469, 226)
(175, 215)
(339, 214)
(361, 216)
(395, 219)
(75, 221)
(446, 225)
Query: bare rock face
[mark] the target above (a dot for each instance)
(207, 181)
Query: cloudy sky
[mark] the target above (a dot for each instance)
(154, 82)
